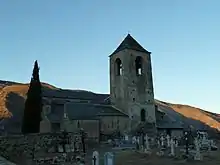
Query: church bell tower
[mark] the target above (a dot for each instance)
(131, 82)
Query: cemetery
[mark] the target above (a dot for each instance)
(71, 148)
(163, 149)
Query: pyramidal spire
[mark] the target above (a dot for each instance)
(129, 43)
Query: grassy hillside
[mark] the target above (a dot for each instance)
(12, 98)
(8, 95)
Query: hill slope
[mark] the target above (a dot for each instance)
(12, 96)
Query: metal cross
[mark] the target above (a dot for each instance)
(94, 160)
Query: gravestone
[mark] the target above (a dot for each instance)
(134, 140)
(176, 142)
(72, 147)
(147, 146)
(168, 141)
(109, 158)
(95, 158)
(126, 138)
(162, 141)
(67, 148)
(186, 138)
(172, 145)
(60, 149)
(158, 143)
(198, 155)
(213, 145)
(138, 143)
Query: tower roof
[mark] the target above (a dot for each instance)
(130, 43)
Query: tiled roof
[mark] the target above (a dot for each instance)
(172, 119)
(130, 43)
(83, 111)
(75, 94)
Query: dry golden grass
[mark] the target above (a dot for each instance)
(196, 114)
(19, 89)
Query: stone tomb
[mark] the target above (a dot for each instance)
(109, 158)
(95, 158)
(198, 155)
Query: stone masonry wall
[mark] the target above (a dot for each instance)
(131, 92)
(23, 146)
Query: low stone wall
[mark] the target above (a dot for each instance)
(24, 146)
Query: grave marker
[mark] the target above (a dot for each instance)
(168, 141)
(134, 140)
(126, 138)
(109, 158)
(162, 141)
(172, 143)
(60, 149)
(147, 142)
(198, 155)
(186, 142)
(95, 158)
(176, 142)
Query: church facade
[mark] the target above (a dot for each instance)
(129, 106)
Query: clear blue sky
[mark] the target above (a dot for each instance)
(72, 39)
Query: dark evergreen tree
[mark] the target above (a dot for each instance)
(33, 104)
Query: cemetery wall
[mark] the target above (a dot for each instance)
(112, 123)
(16, 146)
(176, 133)
(91, 127)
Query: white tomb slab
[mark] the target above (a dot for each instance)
(109, 158)
(95, 158)
(172, 145)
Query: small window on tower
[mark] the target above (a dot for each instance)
(143, 115)
(138, 65)
(118, 67)
(78, 124)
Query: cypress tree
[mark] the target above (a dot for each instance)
(33, 104)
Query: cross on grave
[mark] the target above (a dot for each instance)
(186, 142)
(94, 160)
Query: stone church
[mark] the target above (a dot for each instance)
(129, 107)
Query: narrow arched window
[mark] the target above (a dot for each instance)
(143, 115)
(138, 65)
(118, 67)
(78, 124)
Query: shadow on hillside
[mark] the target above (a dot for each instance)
(15, 104)
(189, 123)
